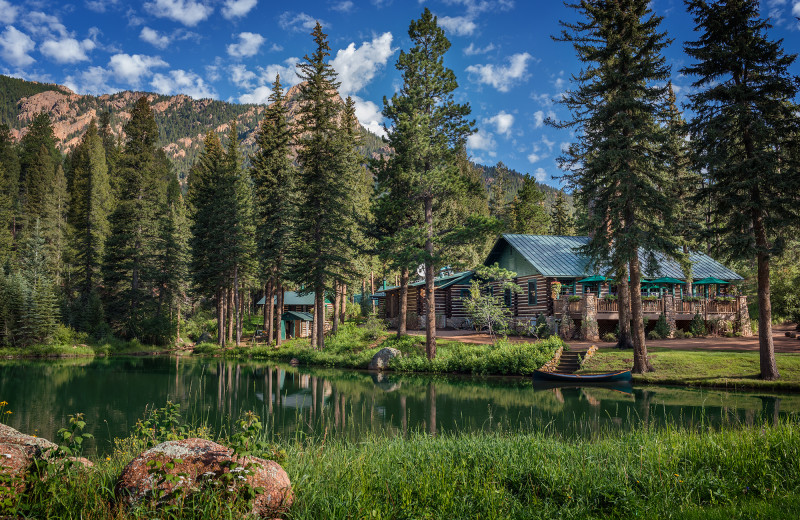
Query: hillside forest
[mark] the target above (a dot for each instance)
(114, 229)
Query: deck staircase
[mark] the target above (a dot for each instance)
(568, 364)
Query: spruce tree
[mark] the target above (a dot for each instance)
(323, 212)
(274, 179)
(90, 207)
(130, 268)
(173, 258)
(38, 315)
(618, 165)
(209, 262)
(745, 136)
(561, 223)
(499, 206)
(6, 218)
(528, 216)
(428, 128)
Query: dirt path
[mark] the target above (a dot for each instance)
(783, 344)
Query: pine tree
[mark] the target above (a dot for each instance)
(89, 209)
(274, 179)
(498, 196)
(618, 166)
(37, 318)
(209, 262)
(745, 136)
(6, 218)
(528, 215)
(428, 129)
(173, 258)
(687, 221)
(324, 209)
(130, 268)
(561, 223)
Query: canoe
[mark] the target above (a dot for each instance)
(608, 377)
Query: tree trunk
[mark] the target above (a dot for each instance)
(314, 321)
(319, 296)
(430, 329)
(280, 295)
(688, 288)
(766, 348)
(229, 312)
(403, 314)
(220, 318)
(640, 362)
(270, 303)
(178, 328)
(623, 303)
(343, 311)
(337, 300)
(237, 305)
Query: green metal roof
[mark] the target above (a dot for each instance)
(593, 279)
(667, 279)
(442, 282)
(710, 281)
(293, 298)
(555, 257)
(297, 315)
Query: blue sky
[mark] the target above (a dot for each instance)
(508, 67)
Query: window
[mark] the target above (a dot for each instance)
(532, 296)
(465, 294)
(567, 286)
(507, 298)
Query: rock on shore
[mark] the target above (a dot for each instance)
(201, 459)
(382, 358)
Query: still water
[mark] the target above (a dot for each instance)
(114, 392)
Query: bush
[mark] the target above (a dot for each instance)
(574, 298)
(653, 335)
(502, 358)
(206, 348)
(679, 334)
(610, 297)
(609, 337)
(661, 328)
(374, 328)
(688, 335)
(698, 326)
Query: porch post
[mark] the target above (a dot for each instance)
(589, 326)
(743, 316)
(669, 313)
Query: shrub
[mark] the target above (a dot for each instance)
(688, 335)
(698, 326)
(574, 298)
(661, 328)
(609, 337)
(653, 335)
(679, 334)
(206, 348)
(374, 328)
(610, 297)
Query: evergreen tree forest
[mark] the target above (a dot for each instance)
(116, 240)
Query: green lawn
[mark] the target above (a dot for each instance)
(700, 368)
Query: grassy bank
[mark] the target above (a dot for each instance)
(701, 368)
(354, 347)
(751, 472)
(90, 349)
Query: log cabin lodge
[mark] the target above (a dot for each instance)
(541, 262)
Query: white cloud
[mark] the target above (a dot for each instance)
(564, 146)
(534, 157)
(187, 12)
(100, 6)
(343, 7)
(93, 80)
(796, 9)
(502, 77)
(471, 50)
(44, 25)
(15, 46)
(540, 174)
(547, 142)
(356, 67)
(248, 45)
(67, 50)
(132, 68)
(8, 12)
(458, 25)
(237, 8)
(288, 72)
(297, 22)
(503, 123)
(242, 77)
(182, 82)
(538, 119)
(154, 38)
(259, 95)
(482, 140)
(369, 115)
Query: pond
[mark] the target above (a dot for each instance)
(113, 393)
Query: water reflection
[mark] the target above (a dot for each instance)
(113, 393)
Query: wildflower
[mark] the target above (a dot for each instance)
(3, 403)
(108, 458)
(676, 474)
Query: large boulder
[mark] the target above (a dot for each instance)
(18, 451)
(207, 460)
(381, 359)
